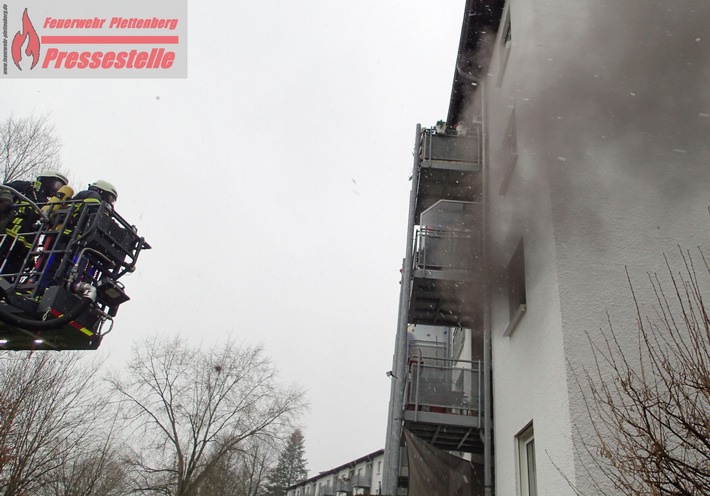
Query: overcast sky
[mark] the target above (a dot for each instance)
(273, 186)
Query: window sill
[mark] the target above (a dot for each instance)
(514, 321)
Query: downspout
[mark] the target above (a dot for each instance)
(399, 361)
(487, 345)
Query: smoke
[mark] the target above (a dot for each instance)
(622, 111)
(612, 102)
(611, 105)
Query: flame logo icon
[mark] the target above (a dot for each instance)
(28, 32)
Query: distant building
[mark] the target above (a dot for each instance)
(360, 476)
(575, 147)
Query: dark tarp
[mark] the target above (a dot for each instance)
(433, 472)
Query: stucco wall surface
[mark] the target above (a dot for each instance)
(612, 111)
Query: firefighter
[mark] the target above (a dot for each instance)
(99, 190)
(39, 191)
(16, 216)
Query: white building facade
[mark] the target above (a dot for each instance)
(360, 476)
(598, 127)
(594, 161)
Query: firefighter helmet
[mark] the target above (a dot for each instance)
(106, 189)
(53, 174)
(49, 182)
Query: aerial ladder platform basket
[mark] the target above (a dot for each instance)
(60, 274)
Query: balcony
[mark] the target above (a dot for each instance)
(343, 486)
(446, 268)
(326, 491)
(443, 402)
(450, 167)
(361, 480)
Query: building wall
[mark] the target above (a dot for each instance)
(377, 474)
(529, 376)
(612, 120)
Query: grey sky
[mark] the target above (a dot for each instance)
(272, 184)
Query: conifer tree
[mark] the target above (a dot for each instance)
(291, 466)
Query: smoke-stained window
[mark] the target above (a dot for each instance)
(517, 299)
(509, 152)
(505, 43)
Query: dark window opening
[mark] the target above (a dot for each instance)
(517, 299)
(509, 153)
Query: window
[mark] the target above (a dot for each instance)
(379, 466)
(526, 457)
(517, 299)
(509, 153)
(505, 43)
(458, 339)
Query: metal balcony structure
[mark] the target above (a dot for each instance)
(443, 270)
(362, 480)
(443, 402)
(343, 486)
(446, 268)
(439, 397)
(445, 287)
(450, 166)
(327, 490)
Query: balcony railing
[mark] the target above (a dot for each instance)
(361, 480)
(441, 385)
(440, 147)
(343, 486)
(437, 249)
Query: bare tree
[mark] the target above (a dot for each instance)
(253, 468)
(28, 145)
(192, 407)
(50, 406)
(93, 468)
(243, 471)
(650, 409)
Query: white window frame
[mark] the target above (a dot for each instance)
(527, 466)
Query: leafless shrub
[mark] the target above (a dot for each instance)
(650, 409)
(50, 405)
(93, 468)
